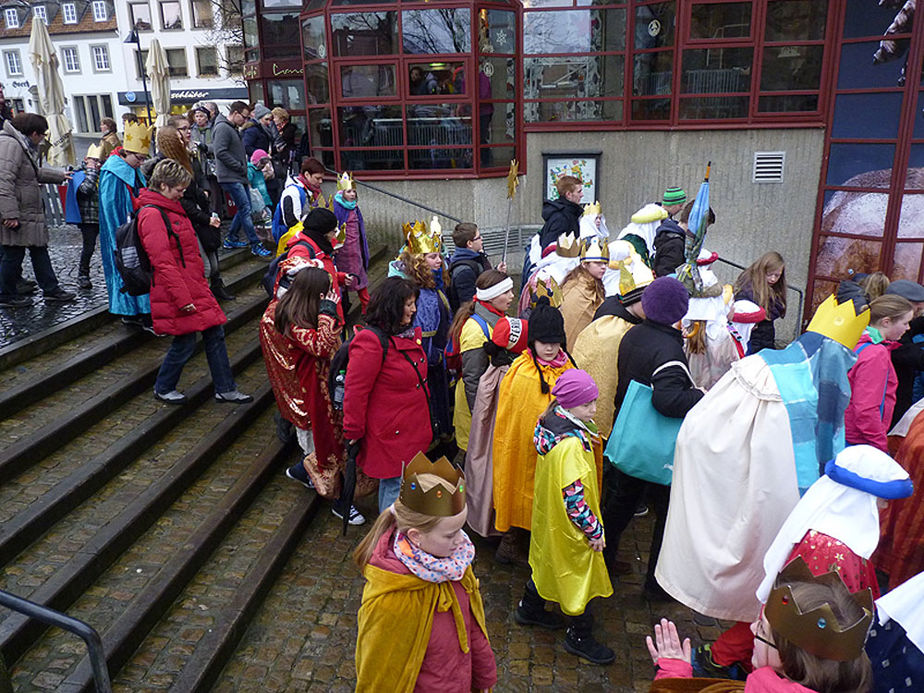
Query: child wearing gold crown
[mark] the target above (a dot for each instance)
(421, 625)
(353, 256)
(582, 291)
(81, 207)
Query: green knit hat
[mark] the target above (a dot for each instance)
(674, 196)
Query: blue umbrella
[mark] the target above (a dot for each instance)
(696, 227)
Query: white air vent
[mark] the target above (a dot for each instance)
(768, 167)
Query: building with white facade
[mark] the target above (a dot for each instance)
(101, 73)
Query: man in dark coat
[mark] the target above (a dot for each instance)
(670, 235)
(563, 214)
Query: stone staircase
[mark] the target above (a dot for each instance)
(161, 526)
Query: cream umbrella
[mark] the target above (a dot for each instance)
(157, 68)
(51, 95)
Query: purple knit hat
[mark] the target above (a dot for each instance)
(665, 300)
(575, 387)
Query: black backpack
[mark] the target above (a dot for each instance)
(131, 259)
(341, 361)
(269, 278)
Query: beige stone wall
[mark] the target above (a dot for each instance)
(635, 168)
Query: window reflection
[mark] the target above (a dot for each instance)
(426, 79)
(439, 158)
(652, 73)
(796, 20)
(565, 111)
(497, 31)
(791, 68)
(313, 37)
(714, 107)
(713, 21)
(654, 26)
(371, 126)
(574, 31)
(579, 76)
(436, 31)
(320, 130)
(287, 93)
(316, 80)
(366, 33)
(280, 35)
(497, 79)
(367, 80)
(717, 70)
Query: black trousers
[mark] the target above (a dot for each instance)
(89, 232)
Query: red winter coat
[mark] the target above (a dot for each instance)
(872, 394)
(297, 250)
(175, 283)
(384, 403)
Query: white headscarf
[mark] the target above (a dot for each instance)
(905, 606)
(843, 512)
(645, 223)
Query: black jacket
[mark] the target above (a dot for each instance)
(560, 216)
(669, 244)
(642, 349)
(907, 359)
(255, 137)
(464, 268)
(613, 306)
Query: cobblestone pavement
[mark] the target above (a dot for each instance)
(304, 636)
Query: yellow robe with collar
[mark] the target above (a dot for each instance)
(394, 624)
(580, 298)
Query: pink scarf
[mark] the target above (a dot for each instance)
(433, 568)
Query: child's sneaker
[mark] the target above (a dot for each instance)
(297, 472)
(356, 518)
(231, 244)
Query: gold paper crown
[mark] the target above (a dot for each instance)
(592, 210)
(340, 236)
(345, 182)
(839, 321)
(95, 151)
(137, 138)
(548, 287)
(567, 246)
(818, 631)
(594, 249)
(439, 501)
(420, 241)
(633, 272)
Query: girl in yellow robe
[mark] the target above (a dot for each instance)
(565, 550)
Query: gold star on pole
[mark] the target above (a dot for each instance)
(512, 180)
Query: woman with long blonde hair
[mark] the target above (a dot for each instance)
(764, 283)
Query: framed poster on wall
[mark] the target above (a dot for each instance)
(585, 166)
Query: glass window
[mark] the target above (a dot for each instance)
(11, 16)
(280, 35)
(81, 113)
(367, 33)
(107, 105)
(288, 93)
(170, 16)
(714, 108)
(497, 31)
(651, 109)
(497, 122)
(71, 59)
(791, 68)
(141, 59)
(861, 165)
(716, 70)
(787, 103)
(320, 129)
(176, 62)
(316, 81)
(140, 15)
(313, 38)
(39, 12)
(652, 73)
(573, 77)
(207, 61)
(436, 31)
(574, 31)
(851, 115)
(796, 20)
(358, 81)
(248, 7)
(101, 58)
(100, 11)
(272, 4)
(720, 21)
(235, 58)
(13, 63)
(251, 38)
(94, 114)
(654, 26)
(371, 126)
(570, 111)
(203, 14)
(425, 79)
(857, 69)
(497, 78)
(69, 12)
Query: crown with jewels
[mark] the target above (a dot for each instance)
(421, 241)
(817, 631)
(548, 287)
(345, 181)
(594, 250)
(839, 321)
(137, 138)
(592, 210)
(95, 151)
(439, 501)
(567, 246)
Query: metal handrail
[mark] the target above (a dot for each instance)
(797, 290)
(72, 625)
(399, 197)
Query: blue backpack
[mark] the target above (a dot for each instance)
(279, 228)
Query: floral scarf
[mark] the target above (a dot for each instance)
(433, 568)
(560, 360)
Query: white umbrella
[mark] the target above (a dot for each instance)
(156, 66)
(51, 95)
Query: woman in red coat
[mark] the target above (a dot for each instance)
(385, 400)
(181, 301)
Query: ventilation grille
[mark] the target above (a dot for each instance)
(768, 167)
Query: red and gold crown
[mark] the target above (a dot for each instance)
(439, 501)
(817, 631)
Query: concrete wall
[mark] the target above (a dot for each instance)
(636, 167)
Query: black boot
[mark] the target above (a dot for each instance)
(218, 288)
(579, 640)
(531, 610)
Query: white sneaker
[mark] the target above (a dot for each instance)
(356, 518)
(172, 397)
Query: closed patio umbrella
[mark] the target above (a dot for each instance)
(157, 68)
(51, 95)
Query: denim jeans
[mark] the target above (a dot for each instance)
(388, 492)
(241, 198)
(11, 268)
(182, 348)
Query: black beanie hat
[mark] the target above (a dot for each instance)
(546, 325)
(321, 220)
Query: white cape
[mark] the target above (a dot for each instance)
(734, 485)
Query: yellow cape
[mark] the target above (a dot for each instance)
(395, 620)
(580, 298)
(565, 569)
(596, 351)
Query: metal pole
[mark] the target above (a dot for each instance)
(144, 77)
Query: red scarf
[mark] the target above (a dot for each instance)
(315, 190)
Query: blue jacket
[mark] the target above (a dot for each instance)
(463, 274)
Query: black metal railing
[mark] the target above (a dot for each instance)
(72, 625)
